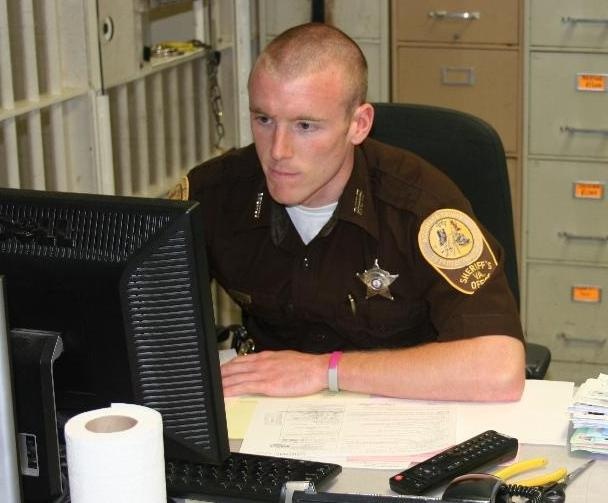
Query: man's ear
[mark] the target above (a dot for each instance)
(361, 123)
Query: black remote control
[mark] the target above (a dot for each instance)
(485, 448)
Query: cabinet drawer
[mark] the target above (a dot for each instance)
(473, 21)
(569, 104)
(568, 210)
(481, 82)
(580, 24)
(359, 18)
(566, 311)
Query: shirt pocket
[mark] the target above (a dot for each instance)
(381, 322)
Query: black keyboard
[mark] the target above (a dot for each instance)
(243, 477)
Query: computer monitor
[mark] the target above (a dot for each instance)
(124, 281)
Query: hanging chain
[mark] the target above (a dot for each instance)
(214, 94)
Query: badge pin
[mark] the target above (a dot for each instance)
(258, 205)
(358, 207)
(377, 281)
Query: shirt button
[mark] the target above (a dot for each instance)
(305, 263)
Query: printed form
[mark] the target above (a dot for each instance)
(380, 433)
(361, 431)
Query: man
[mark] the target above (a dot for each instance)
(358, 266)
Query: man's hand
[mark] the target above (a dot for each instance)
(275, 373)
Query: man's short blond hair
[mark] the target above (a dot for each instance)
(311, 47)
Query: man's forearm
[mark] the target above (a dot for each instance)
(488, 368)
(483, 369)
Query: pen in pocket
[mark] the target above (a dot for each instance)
(352, 303)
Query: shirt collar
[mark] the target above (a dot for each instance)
(356, 205)
(261, 211)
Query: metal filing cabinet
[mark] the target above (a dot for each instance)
(464, 55)
(565, 172)
(366, 21)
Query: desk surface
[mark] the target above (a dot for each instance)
(589, 487)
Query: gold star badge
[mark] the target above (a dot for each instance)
(377, 281)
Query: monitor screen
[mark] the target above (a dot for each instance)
(124, 282)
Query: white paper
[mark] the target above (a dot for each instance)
(589, 416)
(374, 432)
(539, 417)
(370, 432)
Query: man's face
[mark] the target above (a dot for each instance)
(303, 136)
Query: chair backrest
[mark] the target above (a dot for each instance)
(469, 151)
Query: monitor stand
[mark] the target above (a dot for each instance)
(10, 491)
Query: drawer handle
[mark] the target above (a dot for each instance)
(569, 19)
(574, 130)
(456, 76)
(568, 235)
(580, 340)
(444, 14)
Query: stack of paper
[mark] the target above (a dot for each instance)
(589, 416)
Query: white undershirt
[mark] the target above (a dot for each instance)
(309, 221)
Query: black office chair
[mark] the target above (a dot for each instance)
(471, 153)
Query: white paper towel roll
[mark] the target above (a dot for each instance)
(116, 455)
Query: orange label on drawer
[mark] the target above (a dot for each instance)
(588, 190)
(586, 294)
(591, 82)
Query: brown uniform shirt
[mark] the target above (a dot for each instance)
(309, 297)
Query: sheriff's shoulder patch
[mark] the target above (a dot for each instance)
(453, 244)
(181, 191)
